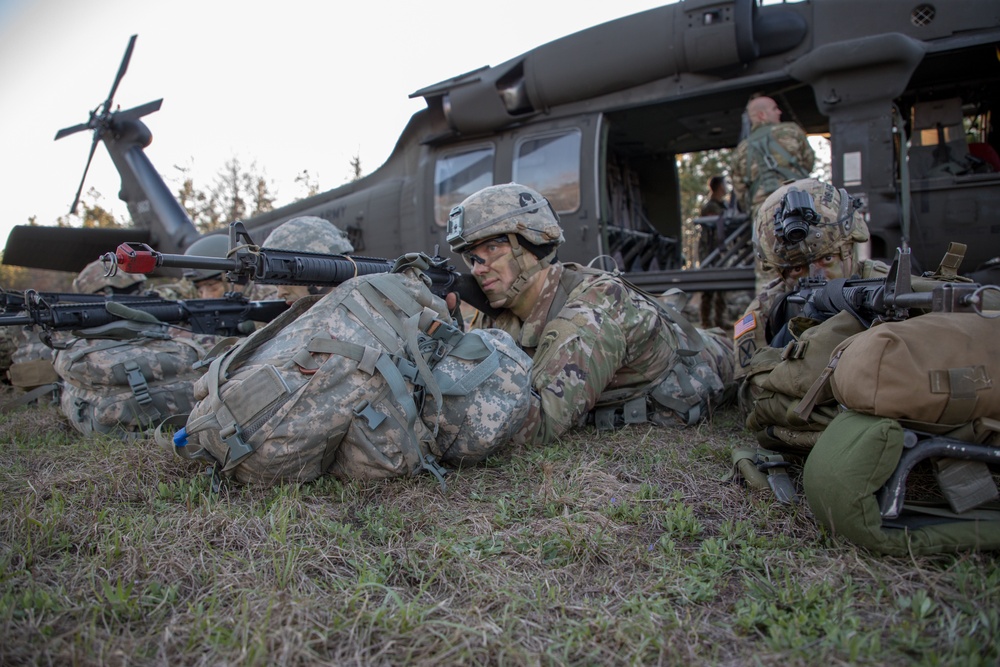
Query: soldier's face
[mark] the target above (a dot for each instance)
(825, 268)
(211, 289)
(292, 293)
(497, 269)
(770, 113)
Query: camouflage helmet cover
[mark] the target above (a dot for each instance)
(503, 209)
(91, 280)
(309, 234)
(216, 245)
(837, 226)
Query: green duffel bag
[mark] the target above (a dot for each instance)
(852, 460)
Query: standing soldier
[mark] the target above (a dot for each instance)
(774, 152)
(710, 237)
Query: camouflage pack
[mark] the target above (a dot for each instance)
(31, 362)
(370, 381)
(126, 378)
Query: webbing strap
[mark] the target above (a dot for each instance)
(961, 385)
(411, 326)
(387, 339)
(763, 145)
(20, 401)
(479, 373)
(951, 262)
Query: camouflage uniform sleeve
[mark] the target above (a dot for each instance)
(578, 355)
(805, 155)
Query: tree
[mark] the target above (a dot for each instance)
(237, 192)
(93, 215)
(356, 172)
(307, 182)
(694, 171)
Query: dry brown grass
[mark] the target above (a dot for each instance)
(621, 549)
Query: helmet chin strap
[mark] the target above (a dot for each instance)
(526, 273)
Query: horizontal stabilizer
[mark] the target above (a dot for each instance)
(64, 248)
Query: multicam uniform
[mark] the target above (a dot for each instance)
(599, 346)
(597, 342)
(772, 154)
(834, 231)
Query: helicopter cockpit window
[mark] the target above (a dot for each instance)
(551, 165)
(459, 175)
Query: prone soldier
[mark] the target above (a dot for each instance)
(602, 349)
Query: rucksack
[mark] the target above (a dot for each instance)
(371, 381)
(785, 412)
(934, 372)
(31, 362)
(847, 475)
(126, 377)
(761, 150)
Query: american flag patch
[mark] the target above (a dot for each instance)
(748, 323)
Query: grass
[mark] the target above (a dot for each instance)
(620, 550)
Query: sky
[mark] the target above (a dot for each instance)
(289, 86)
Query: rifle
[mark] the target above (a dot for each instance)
(268, 266)
(888, 299)
(231, 315)
(12, 301)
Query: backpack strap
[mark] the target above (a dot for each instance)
(371, 360)
(761, 147)
(28, 397)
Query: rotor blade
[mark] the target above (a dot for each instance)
(121, 72)
(140, 111)
(76, 200)
(66, 131)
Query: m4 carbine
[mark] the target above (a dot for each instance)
(888, 299)
(270, 266)
(232, 315)
(13, 301)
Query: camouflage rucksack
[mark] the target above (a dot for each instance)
(31, 362)
(125, 378)
(370, 381)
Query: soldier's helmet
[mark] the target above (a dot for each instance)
(804, 221)
(91, 280)
(216, 245)
(504, 209)
(309, 234)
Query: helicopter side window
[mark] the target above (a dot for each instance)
(551, 165)
(459, 175)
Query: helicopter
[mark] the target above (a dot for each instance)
(596, 121)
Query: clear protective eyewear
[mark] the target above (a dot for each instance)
(486, 252)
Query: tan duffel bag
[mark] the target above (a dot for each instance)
(938, 368)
